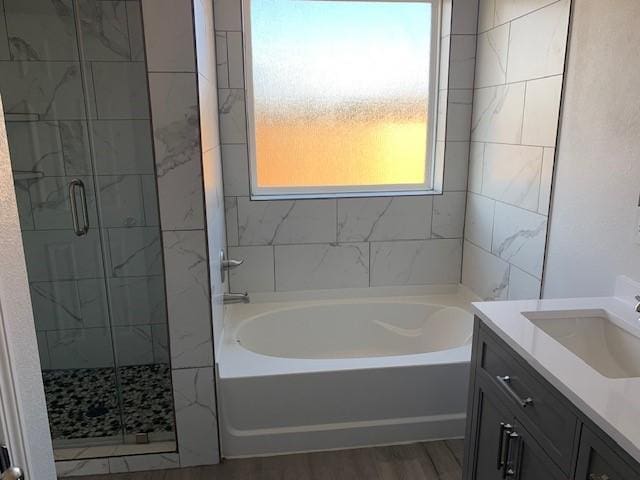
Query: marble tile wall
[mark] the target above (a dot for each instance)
(347, 242)
(55, 106)
(521, 48)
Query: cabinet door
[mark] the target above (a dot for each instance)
(492, 426)
(527, 461)
(598, 461)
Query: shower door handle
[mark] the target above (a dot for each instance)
(77, 186)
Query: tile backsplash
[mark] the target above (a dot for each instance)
(347, 242)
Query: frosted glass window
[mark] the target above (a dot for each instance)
(339, 95)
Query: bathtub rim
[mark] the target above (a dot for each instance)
(235, 361)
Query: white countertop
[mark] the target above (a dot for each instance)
(612, 404)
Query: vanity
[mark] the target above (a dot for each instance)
(555, 390)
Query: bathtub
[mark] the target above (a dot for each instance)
(324, 370)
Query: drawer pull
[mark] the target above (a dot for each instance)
(505, 429)
(505, 381)
(508, 469)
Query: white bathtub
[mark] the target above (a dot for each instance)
(324, 370)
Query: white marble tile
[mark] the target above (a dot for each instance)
(479, 220)
(231, 220)
(491, 67)
(486, 15)
(464, 17)
(93, 302)
(462, 61)
(507, 10)
(56, 305)
(538, 42)
(120, 146)
(135, 251)
(105, 30)
(456, 166)
(133, 345)
(168, 28)
(121, 200)
(519, 237)
(541, 111)
(222, 64)
(278, 222)
(196, 421)
(41, 30)
(448, 215)
(235, 59)
(209, 121)
(60, 255)
(233, 128)
(137, 463)
(485, 274)
(416, 262)
(256, 274)
(4, 39)
(384, 218)
(52, 90)
(205, 38)
(476, 167)
(228, 15)
(188, 298)
(512, 174)
(523, 286)
(137, 301)
(75, 146)
(80, 348)
(546, 179)
(97, 466)
(50, 204)
(459, 106)
(320, 266)
(160, 338)
(136, 32)
(120, 90)
(35, 146)
(235, 168)
(177, 146)
(497, 114)
(150, 198)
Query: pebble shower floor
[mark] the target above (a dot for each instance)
(83, 403)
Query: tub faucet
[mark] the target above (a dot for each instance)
(235, 298)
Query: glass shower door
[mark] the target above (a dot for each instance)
(75, 92)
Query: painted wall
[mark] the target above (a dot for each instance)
(597, 180)
(518, 82)
(316, 244)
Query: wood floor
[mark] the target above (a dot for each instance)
(419, 461)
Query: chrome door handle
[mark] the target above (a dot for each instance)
(77, 185)
(508, 469)
(506, 384)
(505, 428)
(229, 264)
(12, 473)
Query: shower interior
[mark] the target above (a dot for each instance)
(75, 93)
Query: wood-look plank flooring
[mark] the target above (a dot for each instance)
(419, 461)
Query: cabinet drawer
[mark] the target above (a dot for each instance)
(598, 461)
(540, 409)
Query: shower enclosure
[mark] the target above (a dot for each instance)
(75, 92)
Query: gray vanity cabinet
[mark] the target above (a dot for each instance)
(520, 427)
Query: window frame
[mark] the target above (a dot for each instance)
(433, 181)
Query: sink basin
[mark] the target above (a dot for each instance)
(596, 337)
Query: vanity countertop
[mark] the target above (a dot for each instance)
(611, 403)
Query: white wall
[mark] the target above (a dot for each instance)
(598, 167)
